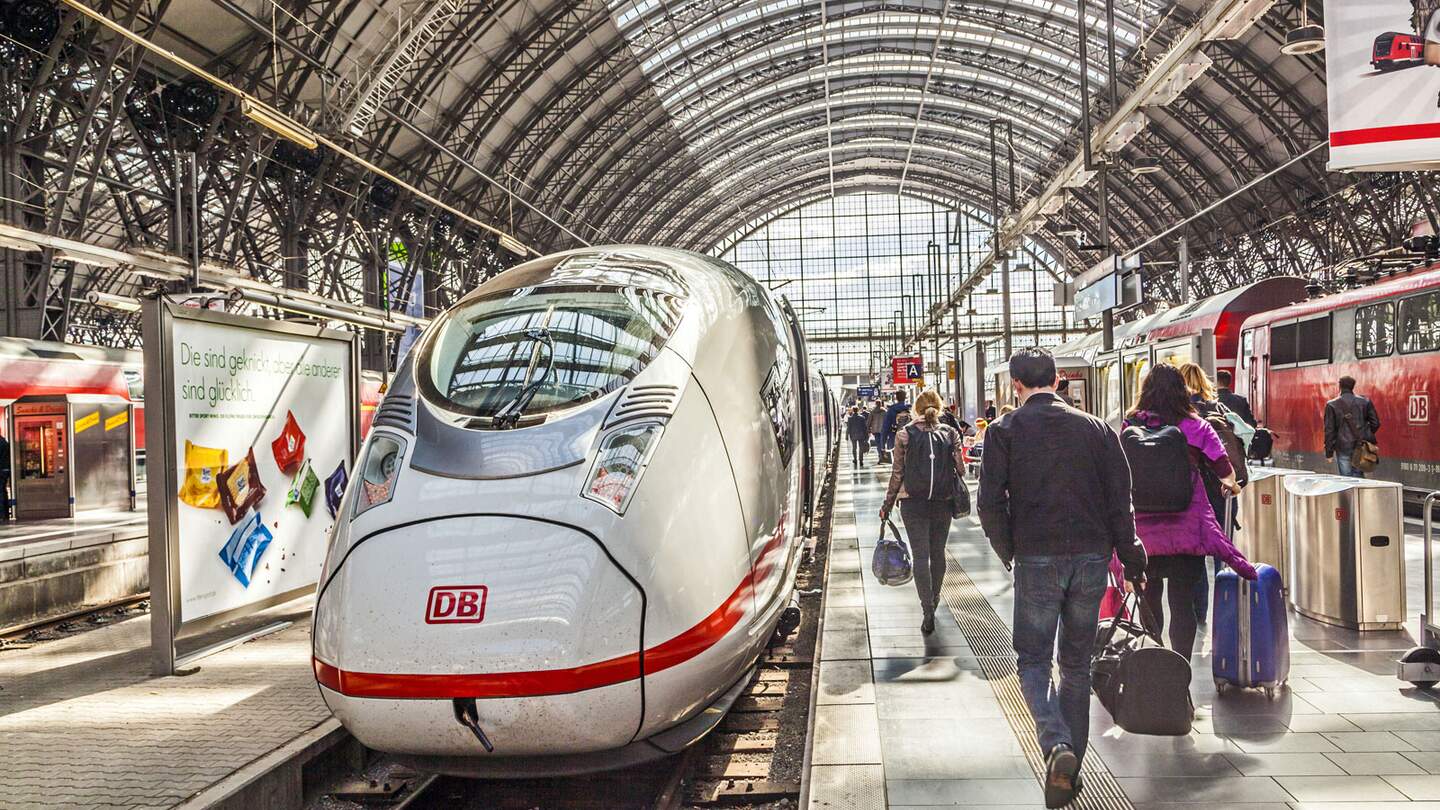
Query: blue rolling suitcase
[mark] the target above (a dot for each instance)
(1251, 641)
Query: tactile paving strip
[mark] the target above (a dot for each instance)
(989, 639)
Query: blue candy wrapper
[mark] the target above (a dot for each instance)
(335, 488)
(247, 544)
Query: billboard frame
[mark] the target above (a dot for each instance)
(158, 316)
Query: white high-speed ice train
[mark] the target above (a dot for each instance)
(577, 519)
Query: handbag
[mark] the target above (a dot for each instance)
(1366, 455)
(1144, 685)
(891, 563)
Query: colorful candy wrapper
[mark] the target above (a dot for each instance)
(289, 446)
(240, 488)
(247, 544)
(302, 489)
(202, 471)
(335, 488)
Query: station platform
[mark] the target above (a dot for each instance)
(84, 725)
(49, 567)
(907, 720)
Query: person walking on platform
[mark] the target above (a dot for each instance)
(1225, 381)
(857, 430)
(1349, 420)
(1055, 504)
(876, 426)
(926, 478)
(893, 420)
(1205, 399)
(947, 417)
(1177, 543)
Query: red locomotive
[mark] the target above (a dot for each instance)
(1385, 335)
(1394, 50)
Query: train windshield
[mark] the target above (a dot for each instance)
(512, 357)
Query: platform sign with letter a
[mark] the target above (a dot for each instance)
(906, 370)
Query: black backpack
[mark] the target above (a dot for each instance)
(930, 464)
(1262, 444)
(1159, 468)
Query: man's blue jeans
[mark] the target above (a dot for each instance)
(1058, 593)
(1342, 461)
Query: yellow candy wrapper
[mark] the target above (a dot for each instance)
(201, 487)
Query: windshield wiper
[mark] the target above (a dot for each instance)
(509, 416)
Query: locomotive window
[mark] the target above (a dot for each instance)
(1375, 330)
(1312, 342)
(564, 344)
(1282, 344)
(1302, 342)
(1420, 323)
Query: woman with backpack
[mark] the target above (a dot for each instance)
(1178, 541)
(926, 480)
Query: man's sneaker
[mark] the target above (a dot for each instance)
(1061, 771)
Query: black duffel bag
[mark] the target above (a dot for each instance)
(1144, 685)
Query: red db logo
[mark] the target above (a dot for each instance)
(1340, 513)
(456, 604)
(1266, 499)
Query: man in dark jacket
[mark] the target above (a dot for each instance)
(889, 428)
(1055, 502)
(855, 431)
(1240, 405)
(1349, 420)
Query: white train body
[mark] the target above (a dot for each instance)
(599, 576)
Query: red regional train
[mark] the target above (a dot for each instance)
(1395, 50)
(1287, 354)
(1387, 336)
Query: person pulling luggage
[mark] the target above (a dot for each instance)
(1055, 504)
(1165, 442)
(926, 480)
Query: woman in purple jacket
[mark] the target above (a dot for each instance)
(1178, 542)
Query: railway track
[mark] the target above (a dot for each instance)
(753, 759)
(23, 635)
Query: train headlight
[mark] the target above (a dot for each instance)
(619, 463)
(378, 472)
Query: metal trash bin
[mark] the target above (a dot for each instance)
(1346, 550)
(1261, 536)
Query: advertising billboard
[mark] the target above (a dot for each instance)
(1382, 83)
(257, 416)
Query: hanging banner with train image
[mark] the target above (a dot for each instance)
(1382, 71)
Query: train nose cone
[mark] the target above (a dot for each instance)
(531, 619)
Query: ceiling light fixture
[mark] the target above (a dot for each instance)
(1144, 164)
(1304, 39)
(277, 122)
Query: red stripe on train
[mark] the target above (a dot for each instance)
(704, 635)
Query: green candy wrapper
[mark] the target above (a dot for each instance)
(302, 489)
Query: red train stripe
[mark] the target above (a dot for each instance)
(1406, 132)
(704, 635)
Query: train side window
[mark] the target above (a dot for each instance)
(1420, 323)
(1247, 347)
(1312, 341)
(1282, 344)
(1375, 330)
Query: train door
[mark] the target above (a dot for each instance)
(807, 410)
(40, 451)
(101, 453)
(1254, 367)
(1109, 401)
(1134, 365)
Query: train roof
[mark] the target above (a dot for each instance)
(1191, 318)
(12, 348)
(1417, 280)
